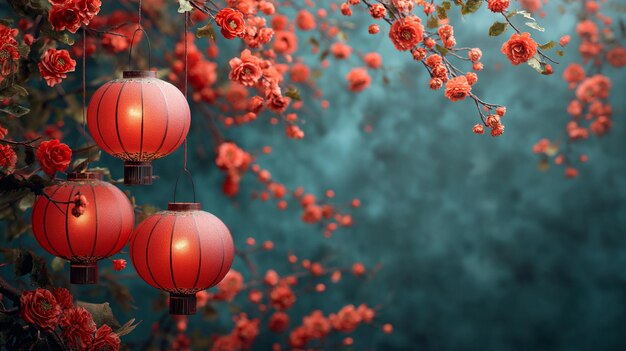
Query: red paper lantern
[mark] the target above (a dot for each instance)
(101, 230)
(138, 118)
(182, 251)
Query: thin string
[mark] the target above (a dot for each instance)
(185, 88)
(132, 40)
(139, 20)
(84, 91)
(186, 82)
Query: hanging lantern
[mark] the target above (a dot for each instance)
(83, 220)
(138, 118)
(182, 251)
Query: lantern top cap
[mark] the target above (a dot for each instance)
(183, 206)
(139, 74)
(84, 175)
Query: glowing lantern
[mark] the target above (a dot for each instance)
(138, 118)
(83, 235)
(182, 251)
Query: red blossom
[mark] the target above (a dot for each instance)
(54, 65)
(230, 286)
(53, 156)
(8, 157)
(64, 298)
(105, 340)
(246, 69)
(406, 33)
(119, 264)
(40, 307)
(519, 48)
(77, 327)
(458, 88)
(231, 23)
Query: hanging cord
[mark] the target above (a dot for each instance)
(185, 91)
(132, 41)
(186, 81)
(84, 92)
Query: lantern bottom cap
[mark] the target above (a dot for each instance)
(182, 304)
(137, 173)
(84, 273)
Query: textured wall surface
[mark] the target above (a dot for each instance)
(480, 250)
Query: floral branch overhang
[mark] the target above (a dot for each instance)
(141, 117)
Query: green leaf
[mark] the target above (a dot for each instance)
(441, 13)
(324, 55)
(81, 164)
(23, 262)
(39, 274)
(534, 25)
(184, 6)
(293, 93)
(15, 110)
(26, 202)
(471, 6)
(342, 36)
(432, 22)
(29, 8)
(62, 37)
(27, 262)
(497, 28)
(127, 328)
(442, 50)
(535, 63)
(57, 264)
(8, 22)
(101, 313)
(447, 5)
(560, 53)
(12, 90)
(547, 46)
(206, 31)
(24, 50)
(523, 13)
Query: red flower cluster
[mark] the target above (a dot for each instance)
(202, 73)
(9, 53)
(498, 5)
(245, 70)
(8, 157)
(235, 161)
(71, 14)
(519, 48)
(54, 65)
(407, 33)
(119, 264)
(243, 335)
(231, 22)
(124, 24)
(446, 34)
(79, 205)
(316, 326)
(77, 328)
(49, 310)
(53, 156)
(39, 307)
(358, 79)
(458, 88)
(229, 287)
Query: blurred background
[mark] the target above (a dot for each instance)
(480, 250)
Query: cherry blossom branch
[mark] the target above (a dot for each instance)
(520, 32)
